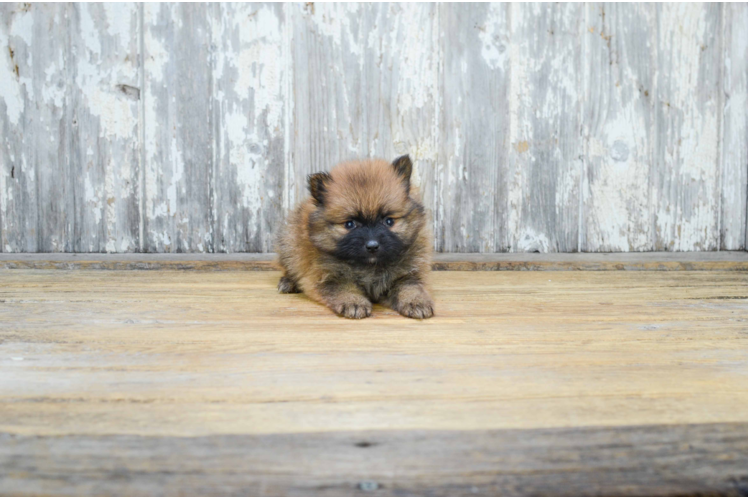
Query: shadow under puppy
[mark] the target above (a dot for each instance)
(360, 238)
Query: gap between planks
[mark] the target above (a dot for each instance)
(645, 261)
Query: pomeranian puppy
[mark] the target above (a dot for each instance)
(360, 238)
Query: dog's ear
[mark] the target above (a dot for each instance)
(318, 186)
(404, 168)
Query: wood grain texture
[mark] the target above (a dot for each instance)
(687, 99)
(35, 175)
(364, 84)
(545, 146)
(618, 127)
(104, 125)
(328, 91)
(552, 128)
(401, 111)
(178, 127)
(474, 128)
(734, 151)
(187, 354)
(637, 261)
(250, 73)
(524, 383)
(700, 460)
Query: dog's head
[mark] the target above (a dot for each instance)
(364, 212)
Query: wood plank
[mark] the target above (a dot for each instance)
(545, 146)
(250, 73)
(687, 99)
(179, 131)
(471, 210)
(364, 85)
(734, 152)
(35, 182)
(576, 383)
(400, 113)
(80, 351)
(650, 261)
(104, 129)
(328, 91)
(618, 127)
(702, 460)
(514, 114)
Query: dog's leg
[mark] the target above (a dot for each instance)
(344, 299)
(410, 298)
(287, 285)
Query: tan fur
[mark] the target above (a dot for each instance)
(305, 245)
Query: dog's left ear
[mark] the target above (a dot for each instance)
(404, 167)
(318, 186)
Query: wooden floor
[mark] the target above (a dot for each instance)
(174, 382)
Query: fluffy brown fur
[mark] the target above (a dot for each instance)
(361, 238)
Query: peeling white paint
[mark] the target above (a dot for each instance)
(93, 199)
(259, 65)
(334, 20)
(655, 173)
(416, 61)
(23, 28)
(177, 174)
(493, 48)
(156, 57)
(734, 152)
(89, 31)
(689, 145)
(533, 241)
(619, 197)
(97, 81)
(110, 199)
(53, 91)
(155, 61)
(246, 162)
(9, 83)
(5, 194)
(519, 99)
(119, 22)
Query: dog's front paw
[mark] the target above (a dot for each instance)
(357, 308)
(287, 285)
(417, 306)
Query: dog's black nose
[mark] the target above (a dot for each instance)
(372, 245)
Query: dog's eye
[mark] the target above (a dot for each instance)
(350, 224)
(389, 221)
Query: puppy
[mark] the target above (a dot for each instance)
(361, 237)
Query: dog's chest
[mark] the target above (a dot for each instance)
(375, 284)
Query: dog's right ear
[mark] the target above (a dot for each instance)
(318, 186)
(403, 168)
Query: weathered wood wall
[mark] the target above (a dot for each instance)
(548, 127)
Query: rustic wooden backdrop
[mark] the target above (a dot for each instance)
(546, 127)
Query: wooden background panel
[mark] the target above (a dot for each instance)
(687, 99)
(328, 93)
(35, 83)
(401, 73)
(250, 73)
(545, 146)
(364, 84)
(178, 129)
(618, 127)
(104, 127)
(474, 128)
(191, 128)
(734, 127)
